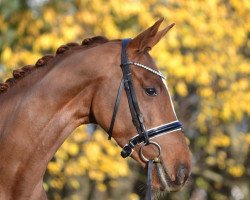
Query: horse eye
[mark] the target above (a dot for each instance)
(151, 91)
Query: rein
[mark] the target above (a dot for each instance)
(143, 135)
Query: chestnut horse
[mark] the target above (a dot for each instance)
(79, 86)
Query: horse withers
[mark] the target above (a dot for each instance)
(42, 104)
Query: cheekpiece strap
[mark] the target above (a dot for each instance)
(136, 115)
(124, 58)
(149, 180)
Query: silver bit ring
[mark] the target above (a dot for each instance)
(157, 158)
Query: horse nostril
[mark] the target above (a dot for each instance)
(182, 174)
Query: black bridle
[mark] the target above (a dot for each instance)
(143, 135)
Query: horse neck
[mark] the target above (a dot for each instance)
(48, 90)
(37, 120)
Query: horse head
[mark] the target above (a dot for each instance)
(144, 121)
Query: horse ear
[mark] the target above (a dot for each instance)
(149, 38)
(161, 34)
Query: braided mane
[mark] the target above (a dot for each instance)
(18, 74)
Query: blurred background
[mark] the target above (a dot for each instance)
(206, 59)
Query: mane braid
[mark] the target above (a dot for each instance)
(18, 74)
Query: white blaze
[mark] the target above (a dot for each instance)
(172, 105)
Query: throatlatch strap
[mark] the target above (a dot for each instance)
(149, 181)
(117, 103)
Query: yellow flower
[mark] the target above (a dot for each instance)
(210, 160)
(56, 183)
(101, 187)
(49, 15)
(134, 196)
(61, 154)
(6, 54)
(236, 170)
(96, 175)
(80, 137)
(99, 135)
(73, 149)
(55, 167)
(83, 162)
(206, 92)
(92, 151)
(204, 78)
(74, 183)
(181, 88)
(220, 140)
(247, 138)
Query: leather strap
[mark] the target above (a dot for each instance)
(130, 92)
(151, 133)
(127, 81)
(117, 103)
(149, 180)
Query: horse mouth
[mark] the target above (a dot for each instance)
(165, 181)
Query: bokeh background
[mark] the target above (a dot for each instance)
(206, 59)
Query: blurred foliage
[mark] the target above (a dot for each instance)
(80, 155)
(206, 58)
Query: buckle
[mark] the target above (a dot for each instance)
(126, 151)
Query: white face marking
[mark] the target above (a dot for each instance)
(172, 105)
